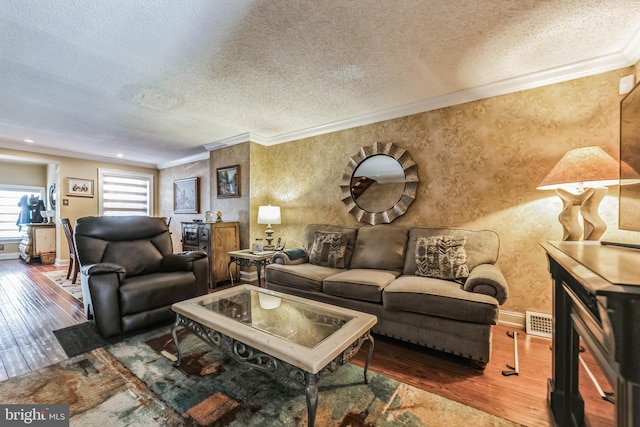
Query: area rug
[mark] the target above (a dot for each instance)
(84, 337)
(134, 383)
(59, 277)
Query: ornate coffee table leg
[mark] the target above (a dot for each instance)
(175, 340)
(311, 391)
(369, 355)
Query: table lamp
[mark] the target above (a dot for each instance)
(580, 179)
(269, 215)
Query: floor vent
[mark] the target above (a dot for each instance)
(539, 324)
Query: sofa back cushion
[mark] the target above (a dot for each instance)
(380, 247)
(349, 234)
(137, 243)
(480, 246)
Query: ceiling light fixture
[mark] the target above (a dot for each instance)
(30, 141)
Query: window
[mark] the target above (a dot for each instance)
(10, 196)
(125, 193)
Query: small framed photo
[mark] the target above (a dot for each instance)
(228, 181)
(186, 195)
(79, 187)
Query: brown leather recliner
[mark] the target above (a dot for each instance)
(130, 275)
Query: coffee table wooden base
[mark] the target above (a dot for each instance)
(267, 363)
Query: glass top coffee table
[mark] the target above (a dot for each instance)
(286, 335)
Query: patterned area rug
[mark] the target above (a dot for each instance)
(133, 383)
(59, 277)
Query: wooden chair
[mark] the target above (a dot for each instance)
(73, 259)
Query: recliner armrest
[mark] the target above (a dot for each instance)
(488, 279)
(182, 261)
(102, 282)
(290, 256)
(104, 268)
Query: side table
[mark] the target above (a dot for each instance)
(248, 258)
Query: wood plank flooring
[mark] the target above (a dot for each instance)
(31, 307)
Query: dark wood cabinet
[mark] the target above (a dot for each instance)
(596, 301)
(217, 239)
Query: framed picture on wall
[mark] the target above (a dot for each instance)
(228, 181)
(186, 195)
(79, 187)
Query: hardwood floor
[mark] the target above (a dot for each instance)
(31, 307)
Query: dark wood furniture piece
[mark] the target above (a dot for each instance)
(217, 239)
(37, 238)
(596, 301)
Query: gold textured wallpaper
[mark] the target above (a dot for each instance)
(479, 165)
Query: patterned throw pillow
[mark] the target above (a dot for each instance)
(442, 257)
(328, 249)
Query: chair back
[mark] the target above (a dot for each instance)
(137, 243)
(68, 232)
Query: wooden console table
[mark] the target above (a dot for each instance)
(596, 298)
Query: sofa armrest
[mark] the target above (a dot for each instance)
(290, 256)
(488, 279)
(182, 261)
(104, 268)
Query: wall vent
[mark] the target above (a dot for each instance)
(539, 324)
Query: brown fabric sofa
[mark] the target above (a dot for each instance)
(396, 273)
(130, 275)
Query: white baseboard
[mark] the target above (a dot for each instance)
(10, 255)
(512, 319)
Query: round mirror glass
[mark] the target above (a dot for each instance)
(378, 183)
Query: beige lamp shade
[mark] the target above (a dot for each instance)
(269, 215)
(587, 166)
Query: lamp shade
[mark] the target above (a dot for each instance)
(269, 215)
(590, 166)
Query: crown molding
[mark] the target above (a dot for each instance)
(238, 139)
(57, 152)
(529, 81)
(184, 160)
(632, 49)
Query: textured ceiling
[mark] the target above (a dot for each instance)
(158, 81)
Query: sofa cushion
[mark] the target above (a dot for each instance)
(302, 276)
(441, 257)
(328, 249)
(441, 298)
(380, 247)
(155, 290)
(361, 284)
(350, 233)
(481, 246)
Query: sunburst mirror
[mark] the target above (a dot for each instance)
(379, 183)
